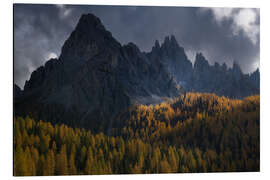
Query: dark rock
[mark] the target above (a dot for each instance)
(174, 59)
(17, 91)
(201, 64)
(224, 67)
(255, 78)
(236, 71)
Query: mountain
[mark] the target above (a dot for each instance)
(95, 78)
(223, 81)
(173, 57)
(203, 77)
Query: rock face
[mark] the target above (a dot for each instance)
(95, 77)
(221, 80)
(255, 78)
(17, 91)
(173, 57)
(203, 77)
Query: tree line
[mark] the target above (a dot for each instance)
(195, 132)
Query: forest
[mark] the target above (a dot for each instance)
(195, 132)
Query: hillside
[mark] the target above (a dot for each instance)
(191, 133)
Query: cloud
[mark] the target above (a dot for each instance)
(222, 14)
(64, 11)
(243, 21)
(38, 33)
(50, 55)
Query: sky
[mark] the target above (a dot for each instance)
(221, 34)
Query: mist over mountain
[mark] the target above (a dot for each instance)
(96, 77)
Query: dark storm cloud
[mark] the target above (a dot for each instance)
(40, 31)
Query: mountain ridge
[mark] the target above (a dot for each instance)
(95, 77)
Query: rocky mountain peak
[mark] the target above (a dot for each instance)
(224, 67)
(256, 74)
(173, 41)
(89, 21)
(157, 45)
(171, 50)
(255, 77)
(132, 49)
(236, 67)
(166, 41)
(236, 70)
(88, 39)
(200, 62)
(156, 48)
(257, 71)
(170, 42)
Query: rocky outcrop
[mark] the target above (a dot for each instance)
(173, 57)
(255, 78)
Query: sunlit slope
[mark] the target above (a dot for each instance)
(192, 133)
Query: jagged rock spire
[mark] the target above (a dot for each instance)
(236, 70)
(170, 42)
(200, 61)
(173, 41)
(88, 39)
(157, 44)
(224, 67)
